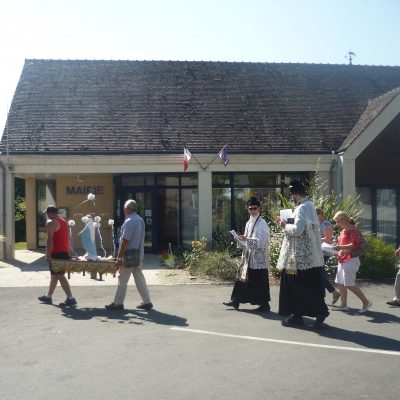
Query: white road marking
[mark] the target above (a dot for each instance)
(321, 346)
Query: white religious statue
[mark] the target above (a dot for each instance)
(88, 238)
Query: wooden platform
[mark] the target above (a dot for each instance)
(93, 267)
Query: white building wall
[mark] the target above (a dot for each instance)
(205, 204)
(50, 167)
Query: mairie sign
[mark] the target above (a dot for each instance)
(78, 190)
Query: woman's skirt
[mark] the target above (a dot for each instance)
(255, 291)
(302, 294)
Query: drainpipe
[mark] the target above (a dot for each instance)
(4, 205)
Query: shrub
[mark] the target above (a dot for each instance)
(224, 242)
(193, 257)
(275, 242)
(331, 203)
(379, 261)
(173, 260)
(217, 264)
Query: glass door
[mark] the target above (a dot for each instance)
(144, 201)
(386, 214)
(46, 194)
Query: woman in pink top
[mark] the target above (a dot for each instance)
(348, 266)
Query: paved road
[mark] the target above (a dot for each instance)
(192, 347)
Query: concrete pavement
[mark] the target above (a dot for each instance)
(191, 347)
(30, 269)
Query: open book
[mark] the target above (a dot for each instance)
(285, 215)
(236, 237)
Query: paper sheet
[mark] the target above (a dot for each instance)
(328, 248)
(235, 235)
(285, 214)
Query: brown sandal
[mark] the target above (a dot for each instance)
(335, 297)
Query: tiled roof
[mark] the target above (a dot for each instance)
(158, 106)
(374, 108)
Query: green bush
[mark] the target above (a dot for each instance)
(225, 241)
(275, 242)
(379, 261)
(20, 246)
(173, 261)
(218, 264)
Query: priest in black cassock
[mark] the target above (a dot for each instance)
(300, 259)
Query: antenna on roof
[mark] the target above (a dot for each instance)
(350, 56)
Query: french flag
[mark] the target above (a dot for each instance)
(187, 155)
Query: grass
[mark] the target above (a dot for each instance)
(20, 246)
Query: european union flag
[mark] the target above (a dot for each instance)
(223, 155)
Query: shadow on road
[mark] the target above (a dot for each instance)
(361, 338)
(128, 316)
(367, 340)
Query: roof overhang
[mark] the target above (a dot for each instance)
(373, 130)
(50, 165)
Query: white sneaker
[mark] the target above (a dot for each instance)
(366, 308)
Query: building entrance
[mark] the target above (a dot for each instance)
(168, 205)
(145, 202)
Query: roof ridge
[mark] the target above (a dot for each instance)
(354, 66)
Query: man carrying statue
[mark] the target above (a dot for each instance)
(131, 246)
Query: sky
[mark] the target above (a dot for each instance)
(296, 31)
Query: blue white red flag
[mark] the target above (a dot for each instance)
(187, 155)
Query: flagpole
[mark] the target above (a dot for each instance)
(198, 162)
(210, 162)
(215, 157)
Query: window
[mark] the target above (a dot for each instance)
(171, 212)
(231, 191)
(221, 209)
(189, 206)
(386, 214)
(365, 204)
(257, 180)
(137, 180)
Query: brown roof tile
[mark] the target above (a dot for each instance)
(159, 106)
(374, 108)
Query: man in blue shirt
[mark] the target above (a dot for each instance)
(132, 237)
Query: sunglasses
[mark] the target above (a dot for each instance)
(252, 208)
